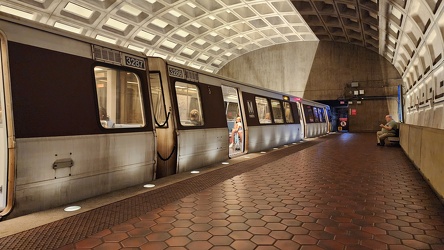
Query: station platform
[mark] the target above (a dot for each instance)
(339, 191)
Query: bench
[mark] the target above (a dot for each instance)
(394, 139)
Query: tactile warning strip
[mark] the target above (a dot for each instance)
(75, 228)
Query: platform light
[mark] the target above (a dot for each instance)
(263, 152)
(203, 57)
(225, 163)
(78, 10)
(294, 143)
(196, 66)
(136, 48)
(146, 35)
(159, 23)
(178, 60)
(196, 25)
(175, 13)
(188, 51)
(169, 44)
(215, 48)
(106, 39)
(72, 208)
(200, 42)
(160, 55)
(149, 185)
(182, 33)
(116, 24)
(247, 157)
(195, 172)
(192, 5)
(16, 12)
(275, 148)
(131, 10)
(67, 27)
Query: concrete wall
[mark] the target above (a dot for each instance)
(323, 71)
(424, 147)
(284, 67)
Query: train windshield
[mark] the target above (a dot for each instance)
(119, 98)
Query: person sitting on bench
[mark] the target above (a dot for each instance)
(387, 130)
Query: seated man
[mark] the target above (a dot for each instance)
(389, 129)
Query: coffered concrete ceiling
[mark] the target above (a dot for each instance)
(350, 21)
(204, 34)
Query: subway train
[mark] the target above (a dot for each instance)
(80, 118)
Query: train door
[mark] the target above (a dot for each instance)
(3, 133)
(327, 114)
(302, 119)
(236, 135)
(165, 126)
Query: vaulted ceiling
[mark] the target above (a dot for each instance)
(350, 21)
(206, 34)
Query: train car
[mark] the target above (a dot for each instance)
(315, 118)
(196, 112)
(75, 121)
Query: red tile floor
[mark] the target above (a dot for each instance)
(338, 192)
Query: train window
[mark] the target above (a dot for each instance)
(189, 103)
(316, 114)
(119, 98)
(309, 118)
(158, 99)
(288, 114)
(263, 110)
(277, 111)
(321, 115)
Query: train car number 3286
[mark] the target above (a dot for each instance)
(134, 62)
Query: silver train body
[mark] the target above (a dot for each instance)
(80, 118)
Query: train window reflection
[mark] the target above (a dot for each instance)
(277, 111)
(288, 114)
(321, 115)
(316, 114)
(309, 118)
(263, 110)
(158, 99)
(119, 98)
(189, 103)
